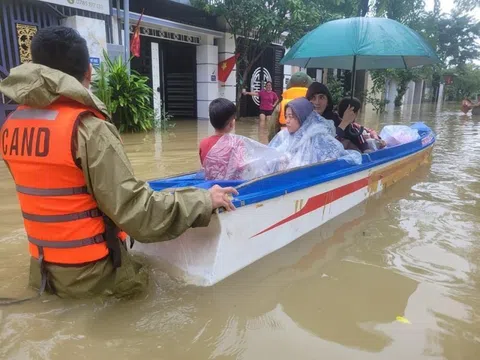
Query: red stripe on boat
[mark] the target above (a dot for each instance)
(320, 200)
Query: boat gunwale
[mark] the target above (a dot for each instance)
(251, 198)
(255, 197)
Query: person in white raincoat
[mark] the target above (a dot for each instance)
(309, 138)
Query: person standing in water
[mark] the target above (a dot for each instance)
(268, 99)
(75, 183)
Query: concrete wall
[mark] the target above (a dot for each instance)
(413, 95)
(288, 71)
(409, 94)
(207, 78)
(417, 97)
(226, 49)
(208, 56)
(93, 31)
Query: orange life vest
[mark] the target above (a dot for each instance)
(62, 220)
(289, 95)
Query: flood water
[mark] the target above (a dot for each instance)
(334, 294)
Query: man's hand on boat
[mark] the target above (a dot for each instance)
(221, 197)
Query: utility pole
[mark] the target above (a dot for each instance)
(126, 30)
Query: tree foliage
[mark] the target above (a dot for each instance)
(466, 83)
(404, 11)
(457, 39)
(453, 37)
(126, 96)
(255, 24)
(467, 5)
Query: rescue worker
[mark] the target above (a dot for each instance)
(296, 87)
(75, 183)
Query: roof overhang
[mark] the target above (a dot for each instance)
(162, 23)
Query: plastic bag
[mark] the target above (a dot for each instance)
(398, 134)
(372, 144)
(236, 157)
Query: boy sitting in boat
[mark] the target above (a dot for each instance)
(309, 138)
(222, 117)
(225, 156)
(367, 139)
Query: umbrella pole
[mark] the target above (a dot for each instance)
(354, 72)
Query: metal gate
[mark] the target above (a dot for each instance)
(180, 71)
(19, 22)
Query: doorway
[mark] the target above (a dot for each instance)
(180, 77)
(172, 70)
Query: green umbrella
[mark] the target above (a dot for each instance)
(360, 44)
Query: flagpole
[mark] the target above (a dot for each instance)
(126, 30)
(135, 41)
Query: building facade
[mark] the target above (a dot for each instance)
(181, 47)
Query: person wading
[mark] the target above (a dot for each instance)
(75, 183)
(268, 99)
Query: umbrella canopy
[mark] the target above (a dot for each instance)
(361, 44)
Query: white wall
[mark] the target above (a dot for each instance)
(441, 91)
(92, 30)
(226, 49)
(413, 95)
(287, 73)
(391, 92)
(207, 78)
(417, 98)
(115, 22)
(409, 94)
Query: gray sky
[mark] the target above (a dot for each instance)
(447, 6)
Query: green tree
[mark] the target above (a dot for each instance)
(453, 37)
(466, 83)
(255, 24)
(457, 39)
(126, 96)
(407, 12)
(467, 5)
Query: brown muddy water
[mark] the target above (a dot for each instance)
(334, 294)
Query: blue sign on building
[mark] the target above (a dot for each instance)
(95, 61)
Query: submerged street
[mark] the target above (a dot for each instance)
(336, 293)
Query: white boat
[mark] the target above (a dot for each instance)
(275, 210)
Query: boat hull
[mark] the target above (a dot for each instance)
(234, 240)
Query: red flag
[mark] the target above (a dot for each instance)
(225, 68)
(135, 42)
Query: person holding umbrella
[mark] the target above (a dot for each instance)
(348, 132)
